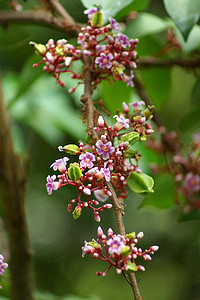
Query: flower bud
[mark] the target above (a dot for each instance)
(130, 236)
(147, 257)
(77, 212)
(71, 149)
(74, 172)
(141, 268)
(99, 232)
(107, 206)
(140, 235)
(100, 122)
(125, 108)
(97, 218)
(154, 248)
(125, 251)
(59, 51)
(39, 48)
(110, 232)
(97, 19)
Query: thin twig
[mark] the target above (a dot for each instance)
(37, 17)
(177, 61)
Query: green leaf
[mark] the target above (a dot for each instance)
(195, 95)
(191, 119)
(192, 215)
(48, 111)
(114, 94)
(185, 14)
(132, 267)
(193, 40)
(163, 193)
(140, 183)
(157, 81)
(27, 77)
(131, 138)
(109, 8)
(146, 24)
(136, 5)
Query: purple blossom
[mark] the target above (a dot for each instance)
(114, 25)
(100, 48)
(60, 164)
(115, 245)
(122, 40)
(100, 195)
(129, 80)
(192, 182)
(51, 185)
(87, 160)
(86, 249)
(106, 173)
(104, 60)
(90, 12)
(104, 149)
(137, 104)
(122, 121)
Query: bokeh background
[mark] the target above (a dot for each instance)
(44, 116)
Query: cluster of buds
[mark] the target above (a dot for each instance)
(110, 52)
(110, 159)
(184, 166)
(3, 266)
(119, 251)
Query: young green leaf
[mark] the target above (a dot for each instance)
(140, 183)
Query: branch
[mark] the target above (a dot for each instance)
(156, 62)
(13, 177)
(38, 17)
(90, 113)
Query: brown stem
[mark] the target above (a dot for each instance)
(13, 175)
(177, 61)
(90, 109)
(38, 17)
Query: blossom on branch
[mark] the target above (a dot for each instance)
(120, 252)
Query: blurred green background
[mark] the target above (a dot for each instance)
(44, 116)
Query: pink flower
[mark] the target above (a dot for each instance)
(100, 195)
(137, 104)
(122, 121)
(122, 40)
(106, 173)
(90, 12)
(104, 60)
(114, 25)
(87, 249)
(192, 182)
(87, 160)
(51, 184)
(104, 149)
(60, 164)
(115, 245)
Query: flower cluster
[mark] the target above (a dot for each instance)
(110, 53)
(3, 266)
(184, 166)
(119, 251)
(110, 159)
